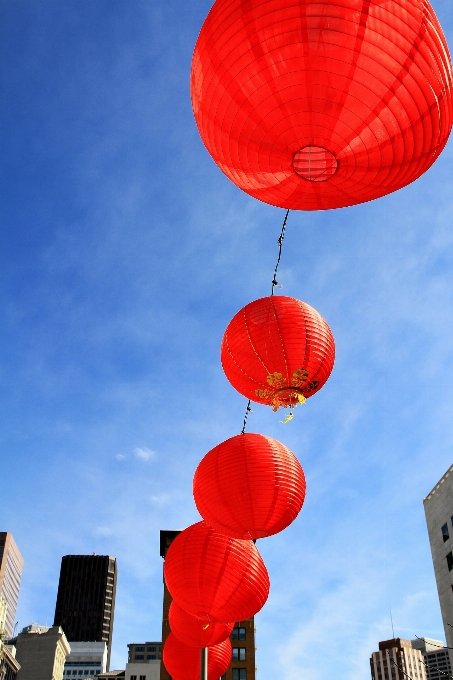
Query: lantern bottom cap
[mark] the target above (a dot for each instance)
(315, 163)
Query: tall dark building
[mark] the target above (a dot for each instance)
(242, 666)
(86, 599)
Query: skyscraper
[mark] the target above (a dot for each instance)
(439, 519)
(397, 660)
(11, 565)
(242, 665)
(86, 599)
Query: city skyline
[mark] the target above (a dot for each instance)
(125, 254)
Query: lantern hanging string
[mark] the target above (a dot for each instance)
(280, 244)
(246, 415)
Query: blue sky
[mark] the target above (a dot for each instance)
(124, 254)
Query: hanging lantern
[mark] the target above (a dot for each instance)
(277, 351)
(183, 661)
(214, 577)
(317, 104)
(250, 486)
(194, 631)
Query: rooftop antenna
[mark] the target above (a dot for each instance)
(391, 619)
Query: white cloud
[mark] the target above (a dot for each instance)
(120, 456)
(144, 453)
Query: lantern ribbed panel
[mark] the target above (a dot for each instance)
(250, 486)
(215, 577)
(183, 661)
(194, 631)
(316, 104)
(274, 344)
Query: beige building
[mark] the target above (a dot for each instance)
(437, 660)
(41, 652)
(11, 565)
(396, 658)
(8, 664)
(439, 512)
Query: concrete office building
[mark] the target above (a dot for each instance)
(86, 659)
(41, 652)
(439, 512)
(11, 565)
(242, 666)
(144, 651)
(395, 658)
(436, 657)
(143, 661)
(86, 599)
(9, 667)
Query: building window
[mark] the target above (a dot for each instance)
(139, 657)
(445, 534)
(239, 674)
(238, 634)
(139, 649)
(133, 677)
(238, 653)
(450, 561)
(150, 656)
(150, 649)
(143, 677)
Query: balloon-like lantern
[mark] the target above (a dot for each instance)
(183, 661)
(317, 104)
(250, 486)
(277, 351)
(215, 577)
(194, 631)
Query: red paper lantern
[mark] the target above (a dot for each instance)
(316, 104)
(277, 351)
(194, 631)
(183, 661)
(250, 486)
(215, 577)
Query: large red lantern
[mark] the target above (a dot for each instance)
(183, 661)
(316, 104)
(250, 486)
(215, 577)
(277, 351)
(194, 631)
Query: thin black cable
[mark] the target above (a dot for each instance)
(280, 243)
(246, 415)
(426, 666)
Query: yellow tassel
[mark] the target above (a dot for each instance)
(301, 399)
(288, 418)
(206, 626)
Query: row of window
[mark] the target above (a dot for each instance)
(238, 653)
(142, 677)
(238, 674)
(139, 648)
(238, 634)
(150, 657)
(445, 532)
(85, 673)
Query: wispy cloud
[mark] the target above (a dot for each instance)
(143, 453)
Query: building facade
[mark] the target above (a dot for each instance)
(439, 519)
(242, 665)
(11, 565)
(144, 651)
(397, 659)
(86, 599)
(9, 667)
(41, 653)
(87, 659)
(436, 657)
